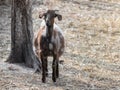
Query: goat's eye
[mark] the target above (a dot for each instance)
(55, 15)
(45, 16)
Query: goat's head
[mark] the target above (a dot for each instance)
(49, 17)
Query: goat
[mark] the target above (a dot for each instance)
(49, 42)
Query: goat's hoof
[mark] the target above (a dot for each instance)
(57, 76)
(47, 74)
(54, 80)
(43, 81)
(37, 71)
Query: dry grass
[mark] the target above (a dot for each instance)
(112, 1)
(92, 55)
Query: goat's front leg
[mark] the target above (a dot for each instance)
(43, 69)
(55, 68)
(46, 66)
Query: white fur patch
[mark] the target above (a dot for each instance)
(34, 49)
(43, 23)
(50, 46)
(56, 27)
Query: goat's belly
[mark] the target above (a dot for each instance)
(47, 52)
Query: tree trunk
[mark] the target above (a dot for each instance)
(5, 2)
(22, 35)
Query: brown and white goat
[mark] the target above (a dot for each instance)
(49, 42)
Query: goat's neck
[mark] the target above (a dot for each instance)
(49, 32)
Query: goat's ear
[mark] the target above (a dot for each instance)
(59, 17)
(41, 15)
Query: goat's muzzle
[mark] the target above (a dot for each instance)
(48, 23)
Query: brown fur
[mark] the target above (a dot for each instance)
(37, 41)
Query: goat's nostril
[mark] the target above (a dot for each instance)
(47, 23)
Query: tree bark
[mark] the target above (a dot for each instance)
(5, 2)
(22, 35)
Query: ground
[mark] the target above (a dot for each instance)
(92, 55)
